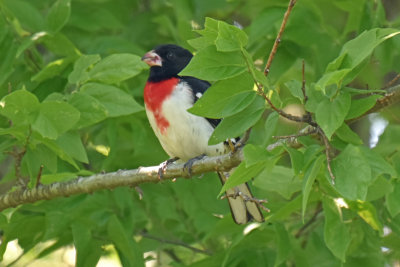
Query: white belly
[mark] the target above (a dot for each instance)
(187, 135)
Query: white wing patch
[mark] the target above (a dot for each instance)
(198, 94)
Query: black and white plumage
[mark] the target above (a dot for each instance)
(167, 98)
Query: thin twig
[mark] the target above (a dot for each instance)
(311, 221)
(303, 85)
(309, 131)
(389, 84)
(243, 140)
(39, 176)
(305, 118)
(327, 153)
(175, 242)
(278, 37)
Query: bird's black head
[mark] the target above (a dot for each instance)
(166, 61)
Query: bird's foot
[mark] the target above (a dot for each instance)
(188, 165)
(163, 166)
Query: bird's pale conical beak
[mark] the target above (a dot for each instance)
(152, 59)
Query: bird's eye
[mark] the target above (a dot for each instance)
(170, 55)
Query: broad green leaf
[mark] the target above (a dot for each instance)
(124, 243)
(254, 154)
(393, 200)
(40, 155)
(58, 15)
(242, 174)
(230, 38)
(209, 34)
(330, 114)
(336, 232)
(116, 68)
(88, 248)
(116, 101)
(71, 143)
(80, 74)
(368, 213)
(8, 48)
(308, 181)
(53, 146)
(354, 53)
(237, 124)
(283, 244)
(91, 110)
(211, 65)
(378, 164)
(295, 89)
(296, 158)
(55, 118)
(226, 97)
(380, 187)
(360, 106)
(280, 179)
(20, 107)
(352, 173)
(346, 134)
(52, 69)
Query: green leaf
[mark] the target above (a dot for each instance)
(80, 73)
(40, 155)
(353, 55)
(360, 106)
(225, 98)
(126, 246)
(209, 34)
(280, 179)
(91, 110)
(211, 65)
(58, 15)
(378, 164)
(336, 233)
(88, 248)
(52, 69)
(254, 154)
(55, 118)
(368, 213)
(116, 101)
(53, 146)
(347, 135)
(230, 38)
(308, 181)
(295, 89)
(71, 143)
(330, 114)
(116, 68)
(393, 199)
(352, 173)
(284, 244)
(20, 107)
(242, 174)
(237, 124)
(296, 158)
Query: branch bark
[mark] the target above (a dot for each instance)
(119, 178)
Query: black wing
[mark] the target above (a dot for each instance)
(199, 87)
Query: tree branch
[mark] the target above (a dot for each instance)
(119, 178)
(390, 98)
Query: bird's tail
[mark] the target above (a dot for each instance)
(242, 209)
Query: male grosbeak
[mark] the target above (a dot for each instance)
(183, 135)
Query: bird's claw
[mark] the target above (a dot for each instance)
(163, 166)
(188, 165)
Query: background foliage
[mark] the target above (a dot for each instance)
(71, 84)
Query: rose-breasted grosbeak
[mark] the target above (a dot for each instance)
(183, 135)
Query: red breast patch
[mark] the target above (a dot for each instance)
(154, 95)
